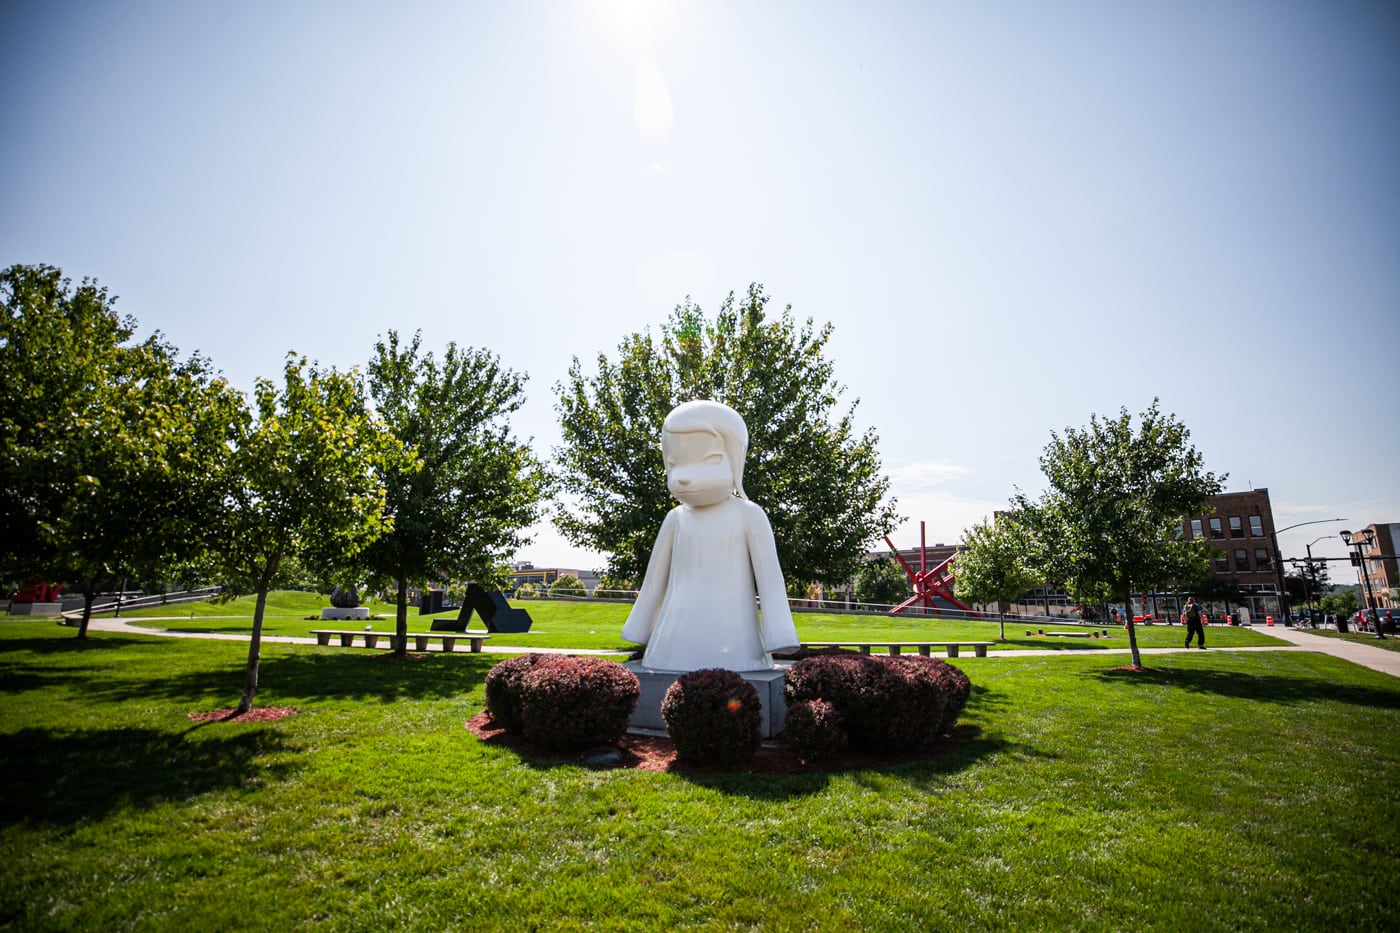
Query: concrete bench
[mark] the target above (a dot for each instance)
(979, 648)
(421, 640)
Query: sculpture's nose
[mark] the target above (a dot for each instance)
(683, 481)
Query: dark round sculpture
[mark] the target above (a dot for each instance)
(345, 597)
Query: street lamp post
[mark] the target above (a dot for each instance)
(1308, 571)
(1278, 561)
(1368, 538)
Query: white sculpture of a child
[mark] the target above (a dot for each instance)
(696, 606)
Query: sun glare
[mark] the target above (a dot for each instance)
(631, 21)
(651, 104)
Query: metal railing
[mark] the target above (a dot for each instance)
(115, 602)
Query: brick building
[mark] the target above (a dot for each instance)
(1379, 566)
(1240, 531)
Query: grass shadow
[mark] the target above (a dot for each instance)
(70, 645)
(65, 778)
(1265, 688)
(965, 747)
(308, 676)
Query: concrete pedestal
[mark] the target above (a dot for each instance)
(332, 614)
(35, 609)
(769, 685)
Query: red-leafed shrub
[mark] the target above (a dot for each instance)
(503, 689)
(917, 702)
(887, 704)
(568, 703)
(815, 729)
(713, 717)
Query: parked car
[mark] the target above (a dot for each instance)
(1376, 620)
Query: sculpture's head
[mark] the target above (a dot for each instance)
(704, 444)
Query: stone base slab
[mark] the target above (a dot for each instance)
(769, 685)
(35, 609)
(333, 614)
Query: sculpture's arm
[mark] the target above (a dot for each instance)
(643, 615)
(777, 629)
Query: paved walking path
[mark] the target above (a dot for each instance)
(122, 625)
(1378, 659)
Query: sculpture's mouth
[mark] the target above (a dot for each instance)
(702, 496)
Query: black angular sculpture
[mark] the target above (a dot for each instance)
(495, 613)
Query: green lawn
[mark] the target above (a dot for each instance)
(598, 625)
(1217, 791)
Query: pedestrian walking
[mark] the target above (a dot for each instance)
(1192, 617)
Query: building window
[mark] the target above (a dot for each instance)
(1236, 527)
(1256, 526)
(1196, 531)
(1217, 530)
(1261, 559)
(1222, 561)
(1241, 559)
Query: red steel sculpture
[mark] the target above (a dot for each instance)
(930, 584)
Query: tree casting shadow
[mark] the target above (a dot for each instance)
(1266, 688)
(304, 677)
(64, 778)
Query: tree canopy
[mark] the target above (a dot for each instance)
(995, 564)
(460, 508)
(108, 447)
(882, 582)
(302, 479)
(814, 474)
(1109, 523)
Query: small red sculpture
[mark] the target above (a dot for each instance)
(35, 592)
(930, 584)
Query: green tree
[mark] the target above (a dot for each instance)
(817, 478)
(568, 585)
(108, 447)
(995, 564)
(615, 587)
(1110, 522)
(882, 582)
(1342, 603)
(302, 481)
(460, 510)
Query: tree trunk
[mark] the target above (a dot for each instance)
(250, 674)
(89, 597)
(1001, 608)
(401, 619)
(1132, 632)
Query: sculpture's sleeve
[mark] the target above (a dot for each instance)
(640, 620)
(776, 626)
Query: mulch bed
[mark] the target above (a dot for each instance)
(656, 753)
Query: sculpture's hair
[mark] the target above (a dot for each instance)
(713, 418)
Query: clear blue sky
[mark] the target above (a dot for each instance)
(1016, 214)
